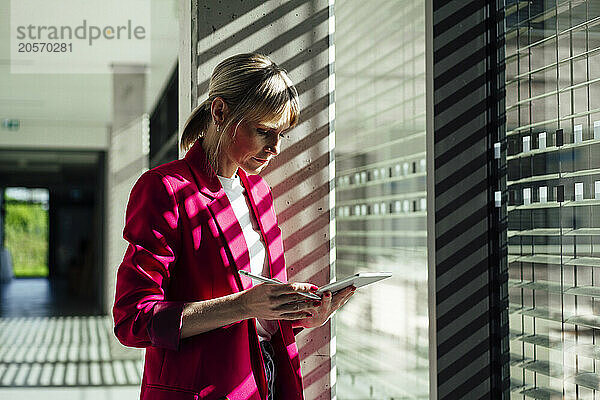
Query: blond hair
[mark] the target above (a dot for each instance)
(254, 89)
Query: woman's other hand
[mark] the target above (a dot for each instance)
(280, 301)
(329, 304)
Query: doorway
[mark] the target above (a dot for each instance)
(53, 228)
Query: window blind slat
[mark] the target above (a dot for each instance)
(382, 333)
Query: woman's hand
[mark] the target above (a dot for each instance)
(279, 301)
(329, 304)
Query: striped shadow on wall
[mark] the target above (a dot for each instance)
(468, 281)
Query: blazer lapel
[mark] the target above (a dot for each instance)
(232, 232)
(221, 210)
(261, 206)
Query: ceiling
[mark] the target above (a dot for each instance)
(77, 100)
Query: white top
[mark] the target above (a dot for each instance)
(252, 235)
(236, 193)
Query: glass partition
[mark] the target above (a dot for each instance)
(553, 155)
(382, 334)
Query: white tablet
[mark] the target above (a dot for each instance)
(358, 280)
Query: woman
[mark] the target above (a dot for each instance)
(191, 224)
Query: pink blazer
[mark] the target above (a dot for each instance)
(185, 244)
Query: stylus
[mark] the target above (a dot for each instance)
(269, 280)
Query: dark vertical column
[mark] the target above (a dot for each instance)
(52, 233)
(2, 217)
(6, 272)
(100, 214)
(468, 281)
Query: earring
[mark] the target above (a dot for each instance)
(217, 128)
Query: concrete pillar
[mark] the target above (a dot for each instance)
(297, 36)
(129, 93)
(468, 271)
(127, 160)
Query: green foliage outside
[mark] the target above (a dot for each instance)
(26, 229)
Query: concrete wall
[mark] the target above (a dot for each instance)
(127, 160)
(296, 35)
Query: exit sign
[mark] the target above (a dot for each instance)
(11, 124)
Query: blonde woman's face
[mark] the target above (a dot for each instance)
(254, 145)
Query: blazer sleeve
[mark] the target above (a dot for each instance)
(142, 315)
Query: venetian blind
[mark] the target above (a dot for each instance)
(553, 143)
(382, 334)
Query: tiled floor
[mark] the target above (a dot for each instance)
(78, 393)
(65, 352)
(50, 348)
